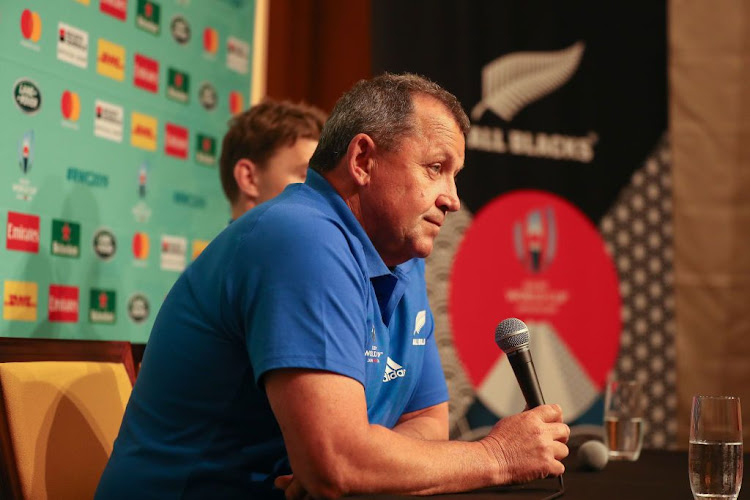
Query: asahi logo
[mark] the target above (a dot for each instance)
(62, 304)
(514, 81)
(105, 244)
(102, 306)
(27, 96)
(180, 30)
(207, 96)
(72, 45)
(66, 238)
(138, 308)
(22, 232)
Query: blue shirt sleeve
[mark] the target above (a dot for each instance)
(302, 297)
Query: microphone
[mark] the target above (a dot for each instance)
(593, 455)
(512, 336)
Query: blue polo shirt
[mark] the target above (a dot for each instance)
(294, 283)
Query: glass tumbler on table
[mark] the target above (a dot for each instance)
(623, 419)
(715, 453)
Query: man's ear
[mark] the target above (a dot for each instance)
(360, 158)
(246, 177)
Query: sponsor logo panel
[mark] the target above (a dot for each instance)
(210, 41)
(102, 306)
(72, 45)
(176, 141)
(141, 211)
(110, 60)
(198, 247)
(173, 253)
(205, 149)
(148, 16)
(180, 29)
(178, 86)
(236, 102)
(31, 27)
(70, 107)
(138, 307)
(22, 232)
(19, 300)
(66, 238)
(115, 8)
(189, 199)
(24, 189)
(87, 177)
(143, 131)
(141, 246)
(62, 304)
(207, 96)
(27, 96)
(108, 120)
(238, 55)
(146, 73)
(105, 244)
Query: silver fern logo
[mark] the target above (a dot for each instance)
(511, 82)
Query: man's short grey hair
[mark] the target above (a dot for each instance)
(382, 108)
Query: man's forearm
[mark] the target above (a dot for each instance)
(430, 423)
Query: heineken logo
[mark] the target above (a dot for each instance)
(27, 96)
(66, 238)
(178, 86)
(148, 16)
(207, 96)
(205, 150)
(138, 308)
(102, 306)
(105, 244)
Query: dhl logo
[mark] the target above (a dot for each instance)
(110, 60)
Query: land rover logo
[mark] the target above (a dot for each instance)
(27, 96)
(105, 244)
(207, 96)
(138, 307)
(180, 30)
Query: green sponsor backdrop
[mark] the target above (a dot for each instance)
(72, 175)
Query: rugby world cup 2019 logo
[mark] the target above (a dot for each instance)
(535, 239)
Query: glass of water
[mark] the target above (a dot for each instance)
(623, 419)
(715, 463)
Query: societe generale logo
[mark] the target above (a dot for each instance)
(110, 60)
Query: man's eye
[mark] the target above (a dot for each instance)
(436, 167)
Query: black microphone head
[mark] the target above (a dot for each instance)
(593, 455)
(511, 334)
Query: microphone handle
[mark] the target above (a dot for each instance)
(523, 367)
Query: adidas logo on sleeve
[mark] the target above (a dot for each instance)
(393, 370)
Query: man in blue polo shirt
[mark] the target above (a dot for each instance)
(296, 355)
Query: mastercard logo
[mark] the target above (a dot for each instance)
(31, 25)
(210, 40)
(140, 246)
(235, 102)
(70, 105)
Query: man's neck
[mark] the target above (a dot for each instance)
(241, 206)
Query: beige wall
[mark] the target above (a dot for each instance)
(709, 72)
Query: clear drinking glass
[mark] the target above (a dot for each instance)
(623, 419)
(715, 463)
